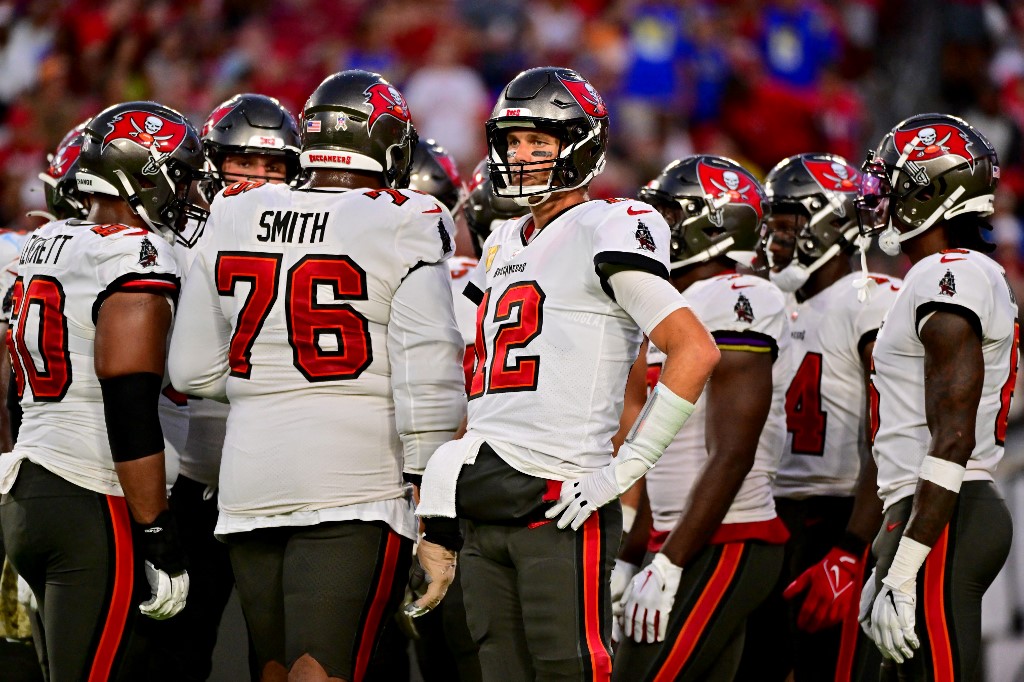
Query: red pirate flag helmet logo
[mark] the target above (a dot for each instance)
(218, 114)
(921, 143)
(586, 96)
(729, 185)
(833, 176)
(386, 100)
(156, 132)
(67, 153)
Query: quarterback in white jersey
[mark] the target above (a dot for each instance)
(944, 368)
(565, 295)
(711, 494)
(323, 314)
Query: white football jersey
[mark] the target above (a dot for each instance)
(553, 350)
(743, 313)
(290, 311)
(465, 310)
(825, 402)
(8, 275)
(193, 428)
(956, 277)
(67, 269)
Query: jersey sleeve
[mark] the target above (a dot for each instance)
(428, 234)
(747, 318)
(425, 349)
(632, 235)
(134, 260)
(8, 275)
(198, 357)
(871, 313)
(953, 280)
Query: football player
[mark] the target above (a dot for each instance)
(323, 313)
(944, 368)
(84, 510)
(715, 546)
(247, 137)
(565, 295)
(831, 519)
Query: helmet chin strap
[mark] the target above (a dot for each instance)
(135, 203)
(795, 275)
(889, 240)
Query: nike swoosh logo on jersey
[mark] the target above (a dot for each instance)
(630, 211)
(947, 259)
(741, 286)
(890, 527)
(436, 209)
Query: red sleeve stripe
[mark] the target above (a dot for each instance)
(154, 285)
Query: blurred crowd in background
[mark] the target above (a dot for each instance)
(756, 80)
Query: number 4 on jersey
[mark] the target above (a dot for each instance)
(804, 417)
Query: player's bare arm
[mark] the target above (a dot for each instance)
(866, 516)
(131, 335)
(691, 353)
(739, 397)
(954, 372)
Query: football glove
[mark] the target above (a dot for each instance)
(892, 620)
(867, 600)
(830, 585)
(622, 574)
(165, 568)
(439, 565)
(649, 600)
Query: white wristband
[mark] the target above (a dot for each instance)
(659, 421)
(942, 472)
(909, 559)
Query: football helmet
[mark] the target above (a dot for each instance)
(434, 172)
(483, 208)
(248, 124)
(148, 155)
(559, 102)
(928, 168)
(817, 192)
(356, 120)
(713, 206)
(62, 197)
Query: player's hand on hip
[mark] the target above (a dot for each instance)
(893, 621)
(649, 600)
(439, 565)
(830, 586)
(165, 568)
(581, 497)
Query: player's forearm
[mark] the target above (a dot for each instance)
(144, 484)
(713, 493)
(866, 517)
(634, 546)
(688, 366)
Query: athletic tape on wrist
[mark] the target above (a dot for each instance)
(942, 472)
(659, 421)
(910, 557)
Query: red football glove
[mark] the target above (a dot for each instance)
(831, 586)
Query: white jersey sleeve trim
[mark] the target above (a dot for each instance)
(425, 349)
(647, 298)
